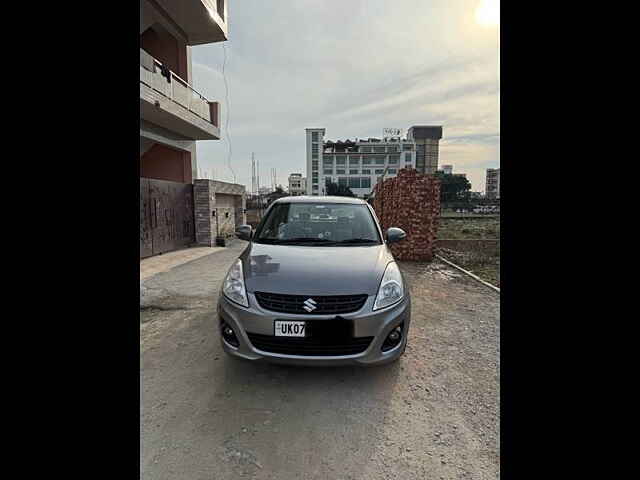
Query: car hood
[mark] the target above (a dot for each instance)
(317, 270)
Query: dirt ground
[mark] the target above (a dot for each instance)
(484, 263)
(435, 414)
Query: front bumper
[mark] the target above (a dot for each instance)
(366, 322)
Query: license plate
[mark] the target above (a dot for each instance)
(289, 328)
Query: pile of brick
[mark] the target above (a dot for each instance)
(410, 201)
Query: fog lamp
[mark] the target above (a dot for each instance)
(393, 339)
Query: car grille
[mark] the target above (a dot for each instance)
(309, 346)
(325, 305)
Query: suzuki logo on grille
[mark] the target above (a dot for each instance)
(309, 305)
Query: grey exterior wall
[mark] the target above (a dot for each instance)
(228, 202)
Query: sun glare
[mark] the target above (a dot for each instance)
(488, 13)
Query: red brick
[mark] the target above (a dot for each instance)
(411, 202)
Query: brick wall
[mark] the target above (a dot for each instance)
(410, 201)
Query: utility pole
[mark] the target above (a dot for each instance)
(253, 175)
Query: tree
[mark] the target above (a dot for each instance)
(332, 188)
(453, 188)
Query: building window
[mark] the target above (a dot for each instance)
(378, 149)
(340, 172)
(407, 146)
(327, 161)
(367, 160)
(315, 187)
(314, 156)
(354, 182)
(314, 165)
(343, 181)
(391, 170)
(354, 160)
(327, 171)
(353, 172)
(380, 170)
(314, 136)
(394, 159)
(366, 149)
(365, 182)
(341, 159)
(393, 148)
(407, 157)
(366, 172)
(380, 161)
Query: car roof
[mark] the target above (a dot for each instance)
(321, 199)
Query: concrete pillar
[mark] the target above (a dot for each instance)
(204, 204)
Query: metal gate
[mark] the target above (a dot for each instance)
(166, 216)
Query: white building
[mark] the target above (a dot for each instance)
(297, 184)
(356, 164)
(447, 169)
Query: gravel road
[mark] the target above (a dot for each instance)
(432, 415)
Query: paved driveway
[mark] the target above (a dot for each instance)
(434, 414)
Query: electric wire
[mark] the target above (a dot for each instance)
(228, 115)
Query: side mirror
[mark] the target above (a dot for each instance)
(244, 232)
(395, 235)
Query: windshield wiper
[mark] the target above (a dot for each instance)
(357, 240)
(278, 241)
(304, 240)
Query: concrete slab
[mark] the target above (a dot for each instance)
(163, 263)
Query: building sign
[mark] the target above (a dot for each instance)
(391, 132)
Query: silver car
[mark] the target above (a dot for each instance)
(316, 285)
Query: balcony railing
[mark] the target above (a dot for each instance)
(154, 75)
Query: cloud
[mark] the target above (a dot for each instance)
(354, 68)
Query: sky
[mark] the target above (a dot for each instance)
(353, 67)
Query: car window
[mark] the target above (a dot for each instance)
(322, 223)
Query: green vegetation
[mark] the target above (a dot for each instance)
(469, 228)
(453, 188)
(333, 188)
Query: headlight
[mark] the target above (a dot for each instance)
(391, 289)
(233, 286)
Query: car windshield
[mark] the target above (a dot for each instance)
(318, 224)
